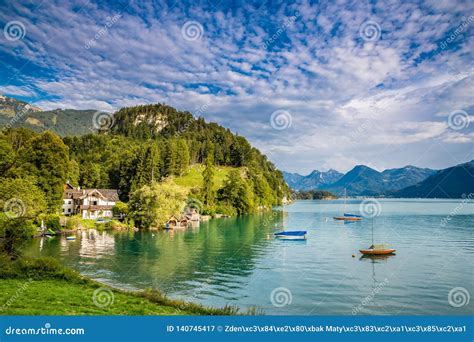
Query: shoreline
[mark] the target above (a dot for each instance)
(43, 286)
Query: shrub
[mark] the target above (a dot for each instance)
(52, 222)
(73, 222)
(14, 232)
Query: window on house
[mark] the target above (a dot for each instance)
(94, 202)
(69, 210)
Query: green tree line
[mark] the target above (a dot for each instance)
(146, 146)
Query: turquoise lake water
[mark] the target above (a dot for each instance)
(237, 260)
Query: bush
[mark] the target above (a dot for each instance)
(52, 222)
(226, 209)
(120, 209)
(37, 269)
(14, 232)
(73, 222)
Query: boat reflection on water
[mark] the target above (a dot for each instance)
(375, 258)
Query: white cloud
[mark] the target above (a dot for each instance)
(349, 98)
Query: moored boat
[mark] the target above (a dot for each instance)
(70, 238)
(348, 217)
(345, 216)
(378, 250)
(291, 235)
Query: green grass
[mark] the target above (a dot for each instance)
(42, 286)
(59, 297)
(193, 177)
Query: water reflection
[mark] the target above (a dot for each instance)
(238, 260)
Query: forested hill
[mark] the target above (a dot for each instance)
(163, 122)
(140, 147)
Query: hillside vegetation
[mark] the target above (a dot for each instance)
(151, 154)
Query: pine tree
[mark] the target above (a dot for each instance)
(169, 167)
(208, 192)
(182, 154)
(47, 158)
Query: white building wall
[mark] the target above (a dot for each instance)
(68, 206)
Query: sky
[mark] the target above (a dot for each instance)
(313, 85)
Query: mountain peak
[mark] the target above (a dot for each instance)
(10, 106)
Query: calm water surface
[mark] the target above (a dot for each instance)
(237, 261)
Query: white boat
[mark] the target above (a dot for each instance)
(291, 235)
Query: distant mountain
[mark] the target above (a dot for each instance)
(314, 180)
(360, 181)
(292, 179)
(396, 179)
(60, 121)
(10, 107)
(453, 182)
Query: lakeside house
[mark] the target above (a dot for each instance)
(191, 214)
(89, 203)
(190, 217)
(175, 222)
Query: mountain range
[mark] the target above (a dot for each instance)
(64, 122)
(408, 181)
(453, 182)
(314, 180)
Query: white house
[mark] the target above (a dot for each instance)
(89, 203)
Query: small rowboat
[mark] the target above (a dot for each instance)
(348, 217)
(292, 235)
(378, 250)
(70, 238)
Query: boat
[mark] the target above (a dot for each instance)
(70, 238)
(379, 249)
(345, 216)
(348, 217)
(291, 235)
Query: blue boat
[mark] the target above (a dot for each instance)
(352, 215)
(292, 235)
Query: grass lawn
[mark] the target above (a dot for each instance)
(59, 297)
(41, 286)
(193, 177)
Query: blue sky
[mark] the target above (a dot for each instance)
(314, 85)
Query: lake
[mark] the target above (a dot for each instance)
(237, 260)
